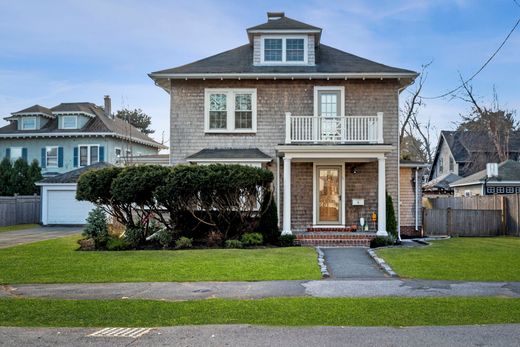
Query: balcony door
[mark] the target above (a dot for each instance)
(329, 113)
(328, 194)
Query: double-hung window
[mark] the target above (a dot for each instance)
(88, 155)
(16, 153)
(284, 50)
(230, 110)
(28, 123)
(69, 122)
(51, 156)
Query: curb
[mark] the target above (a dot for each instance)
(382, 263)
(321, 262)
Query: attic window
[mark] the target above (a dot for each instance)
(29, 123)
(284, 49)
(69, 122)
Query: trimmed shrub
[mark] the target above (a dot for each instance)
(268, 224)
(233, 244)
(184, 242)
(97, 228)
(286, 240)
(252, 239)
(135, 236)
(380, 241)
(117, 244)
(391, 221)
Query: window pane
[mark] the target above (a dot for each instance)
(294, 49)
(243, 111)
(52, 156)
(28, 123)
(69, 122)
(217, 102)
(83, 156)
(217, 119)
(16, 152)
(273, 49)
(94, 154)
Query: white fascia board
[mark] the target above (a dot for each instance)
(78, 113)
(372, 75)
(81, 134)
(413, 166)
(334, 152)
(283, 31)
(56, 185)
(32, 114)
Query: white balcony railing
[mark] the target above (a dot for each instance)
(348, 129)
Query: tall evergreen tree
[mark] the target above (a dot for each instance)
(35, 175)
(6, 171)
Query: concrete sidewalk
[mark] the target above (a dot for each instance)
(264, 289)
(19, 237)
(250, 335)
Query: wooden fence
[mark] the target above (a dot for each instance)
(481, 222)
(19, 209)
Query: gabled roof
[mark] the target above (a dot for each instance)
(72, 176)
(223, 154)
(240, 61)
(283, 23)
(508, 170)
(98, 124)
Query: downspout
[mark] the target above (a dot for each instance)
(416, 200)
(278, 188)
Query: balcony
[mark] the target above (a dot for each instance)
(329, 130)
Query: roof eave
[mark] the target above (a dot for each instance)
(287, 75)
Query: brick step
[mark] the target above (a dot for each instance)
(337, 239)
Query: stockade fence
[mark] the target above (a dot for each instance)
(489, 215)
(19, 209)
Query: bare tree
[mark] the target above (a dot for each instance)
(494, 121)
(424, 132)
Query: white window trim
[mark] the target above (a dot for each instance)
(11, 157)
(57, 157)
(75, 122)
(341, 89)
(27, 118)
(230, 104)
(284, 47)
(88, 154)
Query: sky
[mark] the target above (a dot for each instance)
(71, 51)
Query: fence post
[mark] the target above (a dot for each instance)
(448, 221)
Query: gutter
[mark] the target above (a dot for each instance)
(298, 75)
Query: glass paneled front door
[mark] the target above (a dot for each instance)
(329, 194)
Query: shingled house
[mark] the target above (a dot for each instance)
(323, 120)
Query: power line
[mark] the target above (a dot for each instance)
(481, 68)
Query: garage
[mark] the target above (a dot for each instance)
(59, 205)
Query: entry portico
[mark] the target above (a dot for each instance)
(340, 197)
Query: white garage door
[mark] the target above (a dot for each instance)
(63, 208)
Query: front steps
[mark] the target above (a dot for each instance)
(328, 238)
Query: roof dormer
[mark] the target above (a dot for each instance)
(283, 41)
(31, 118)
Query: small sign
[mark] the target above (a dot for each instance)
(358, 202)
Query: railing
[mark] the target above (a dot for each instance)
(348, 129)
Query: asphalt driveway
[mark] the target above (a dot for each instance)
(18, 237)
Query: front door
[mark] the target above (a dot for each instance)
(328, 194)
(329, 112)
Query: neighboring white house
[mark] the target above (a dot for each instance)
(58, 199)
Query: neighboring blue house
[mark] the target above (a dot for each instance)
(72, 135)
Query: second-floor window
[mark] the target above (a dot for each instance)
(51, 157)
(29, 123)
(88, 155)
(284, 50)
(69, 122)
(452, 165)
(230, 110)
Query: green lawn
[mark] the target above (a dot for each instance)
(57, 261)
(278, 311)
(18, 227)
(468, 259)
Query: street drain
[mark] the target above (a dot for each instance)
(121, 332)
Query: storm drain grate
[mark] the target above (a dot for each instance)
(121, 332)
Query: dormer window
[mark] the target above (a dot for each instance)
(69, 122)
(29, 123)
(284, 49)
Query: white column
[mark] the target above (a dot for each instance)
(287, 127)
(286, 196)
(381, 198)
(380, 127)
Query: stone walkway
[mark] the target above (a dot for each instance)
(264, 289)
(18, 237)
